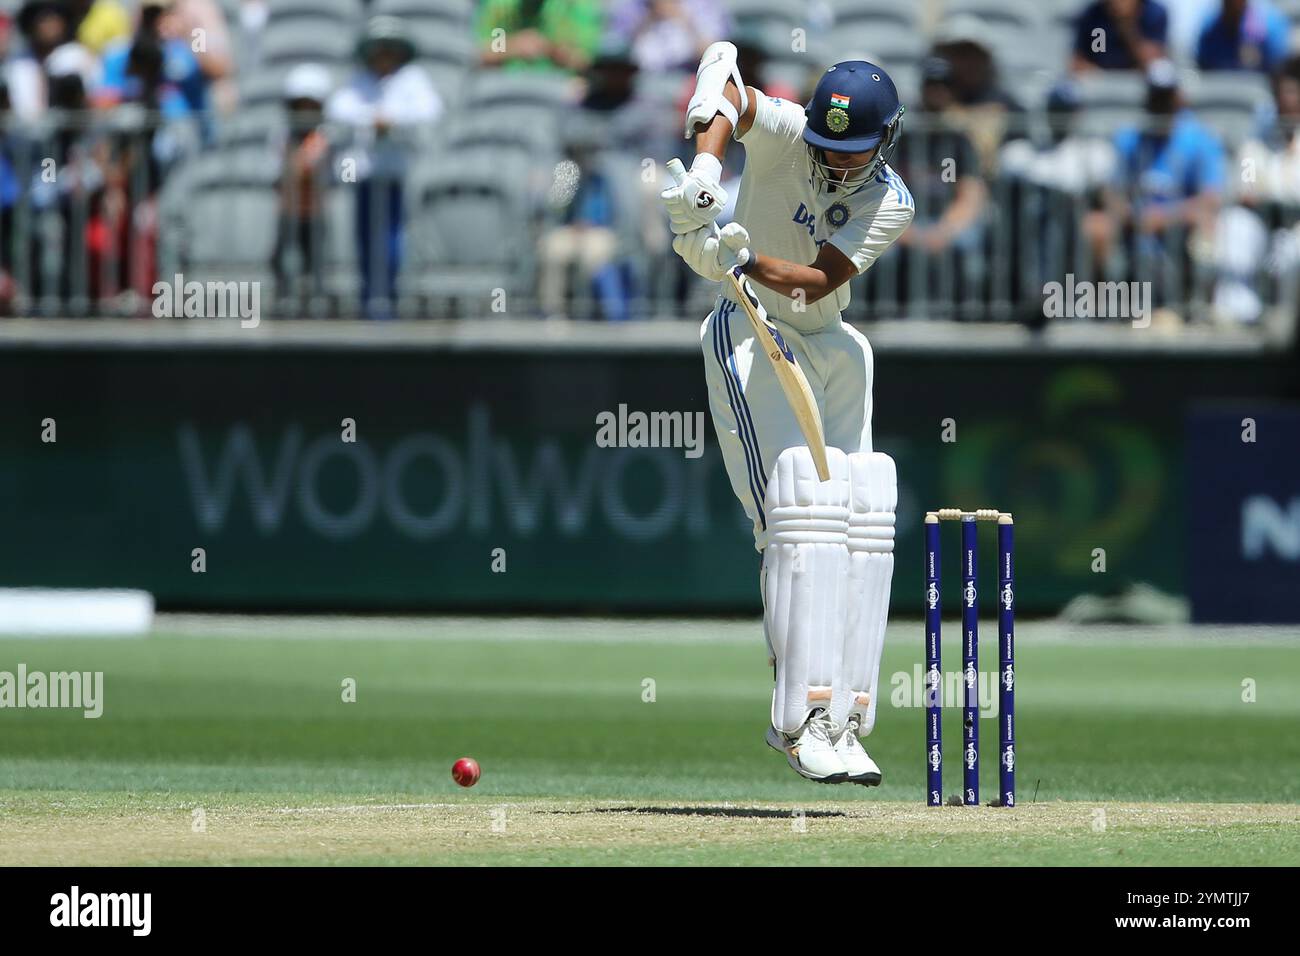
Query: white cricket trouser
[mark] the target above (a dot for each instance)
(751, 416)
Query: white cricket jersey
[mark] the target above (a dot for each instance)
(789, 217)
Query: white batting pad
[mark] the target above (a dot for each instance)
(873, 499)
(805, 567)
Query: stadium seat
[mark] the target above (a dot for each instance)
(452, 14)
(1109, 100)
(259, 125)
(468, 232)
(663, 90)
(788, 14)
(1229, 103)
(897, 49)
(1016, 32)
(307, 42)
(260, 87)
(875, 13)
(497, 89)
(1026, 71)
(220, 217)
(248, 166)
(1057, 42)
(345, 13)
(517, 128)
(1068, 10)
(444, 46)
(774, 38)
(448, 57)
(448, 80)
(1004, 18)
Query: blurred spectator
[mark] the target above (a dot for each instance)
(1270, 163)
(389, 103)
(60, 203)
(97, 23)
(53, 166)
(1067, 161)
(612, 102)
(1269, 184)
(1175, 164)
(1170, 182)
(1235, 253)
(298, 260)
(177, 60)
(667, 35)
(611, 81)
(156, 70)
(202, 25)
(1053, 182)
(558, 35)
(1243, 35)
(609, 221)
(10, 188)
(1120, 35)
(45, 26)
(75, 69)
(977, 105)
(150, 71)
(585, 238)
(941, 168)
(967, 45)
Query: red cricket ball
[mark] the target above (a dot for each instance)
(465, 771)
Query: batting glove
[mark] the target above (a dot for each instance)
(733, 249)
(711, 254)
(696, 200)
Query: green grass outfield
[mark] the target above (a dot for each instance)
(226, 740)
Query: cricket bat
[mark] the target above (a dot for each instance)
(798, 393)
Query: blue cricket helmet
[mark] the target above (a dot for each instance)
(854, 108)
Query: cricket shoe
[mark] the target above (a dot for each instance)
(811, 752)
(858, 765)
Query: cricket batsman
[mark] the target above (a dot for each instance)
(818, 204)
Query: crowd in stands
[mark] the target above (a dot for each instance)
(464, 157)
